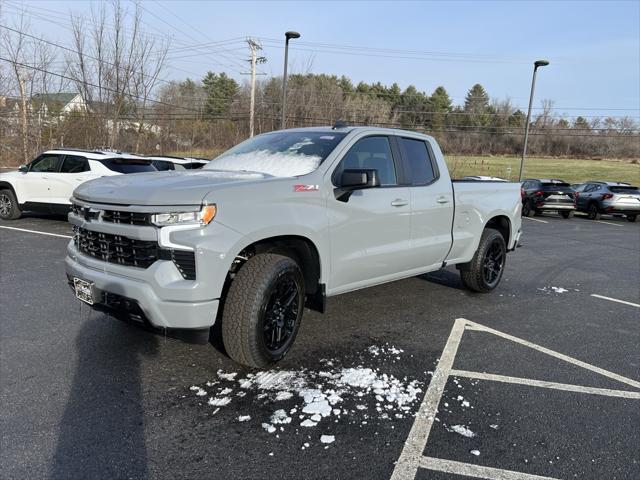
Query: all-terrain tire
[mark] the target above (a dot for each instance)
(474, 274)
(243, 317)
(9, 208)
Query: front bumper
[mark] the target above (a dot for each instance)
(160, 313)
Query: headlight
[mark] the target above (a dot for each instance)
(202, 217)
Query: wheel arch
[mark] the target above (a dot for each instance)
(301, 249)
(4, 185)
(502, 224)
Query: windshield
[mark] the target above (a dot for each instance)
(280, 154)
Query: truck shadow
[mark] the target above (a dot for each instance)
(102, 429)
(444, 277)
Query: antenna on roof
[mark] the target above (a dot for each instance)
(340, 124)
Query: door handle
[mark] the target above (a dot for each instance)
(398, 202)
(442, 200)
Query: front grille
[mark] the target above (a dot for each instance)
(130, 252)
(130, 218)
(117, 248)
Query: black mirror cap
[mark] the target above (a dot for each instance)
(23, 168)
(356, 179)
(360, 178)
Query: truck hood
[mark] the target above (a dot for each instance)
(160, 188)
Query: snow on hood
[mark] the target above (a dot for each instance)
(277, 164)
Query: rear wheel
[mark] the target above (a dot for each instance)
(263, 310)
(484, 272)
(631, 218)
(527, 209)
(593, 212)
(9, 208)
(566, 214)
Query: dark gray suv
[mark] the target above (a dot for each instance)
(597, 198)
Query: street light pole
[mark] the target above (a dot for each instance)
(537, 63)
(287, 36)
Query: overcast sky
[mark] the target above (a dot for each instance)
(593, 46)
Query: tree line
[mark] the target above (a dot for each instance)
(117, 69)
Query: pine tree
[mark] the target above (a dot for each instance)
(220, 90)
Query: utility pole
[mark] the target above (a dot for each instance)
(23, 98)
(254, 46)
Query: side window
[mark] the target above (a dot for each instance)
(371, 152)
(163, 165)
(417, 156)
(46, 163)
(74, 164)
(587, 189)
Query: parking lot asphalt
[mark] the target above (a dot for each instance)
(88, 396)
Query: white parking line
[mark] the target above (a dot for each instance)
(615, 300)
(407, 465)
(535, 220)
(36, 231)
(477, 471)
(607, 392)
(608, 223)
(412, 457)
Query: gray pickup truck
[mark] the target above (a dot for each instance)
(279, 223)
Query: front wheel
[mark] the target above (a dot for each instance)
(484, 272)
(263, 310)
(566, 214)
(631, 218)
(9, 208)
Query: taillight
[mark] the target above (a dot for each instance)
(521, 193)
(539, 193)
(607, 196)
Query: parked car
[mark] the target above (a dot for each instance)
(614, 198)
(47, 183)
(544, 195)
(166, 162)
(281, 221)
(483, 178)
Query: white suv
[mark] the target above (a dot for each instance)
(46, 183)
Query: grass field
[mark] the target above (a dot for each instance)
(571, 170)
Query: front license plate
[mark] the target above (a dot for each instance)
(84, 290)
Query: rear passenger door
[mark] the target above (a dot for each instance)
(370, 234)
(431, 203)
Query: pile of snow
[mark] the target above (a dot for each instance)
(554, 290)
(276, 164)
(356, 394)
(462, 430)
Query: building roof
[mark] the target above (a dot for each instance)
(63, 97)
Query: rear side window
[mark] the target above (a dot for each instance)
(128, 165)
(417, 156)
(74, 164)
(163, 165)
(371, 152)
(46, 163)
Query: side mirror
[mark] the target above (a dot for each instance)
(356, 179)
(23, 168)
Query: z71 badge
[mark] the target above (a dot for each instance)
(306, 188)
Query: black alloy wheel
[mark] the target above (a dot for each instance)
(281, 313)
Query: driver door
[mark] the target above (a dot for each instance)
(37, 181)
(370, 233)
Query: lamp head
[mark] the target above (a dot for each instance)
(541, 63)
(289, 35)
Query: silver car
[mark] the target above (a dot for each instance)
(614, 198)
